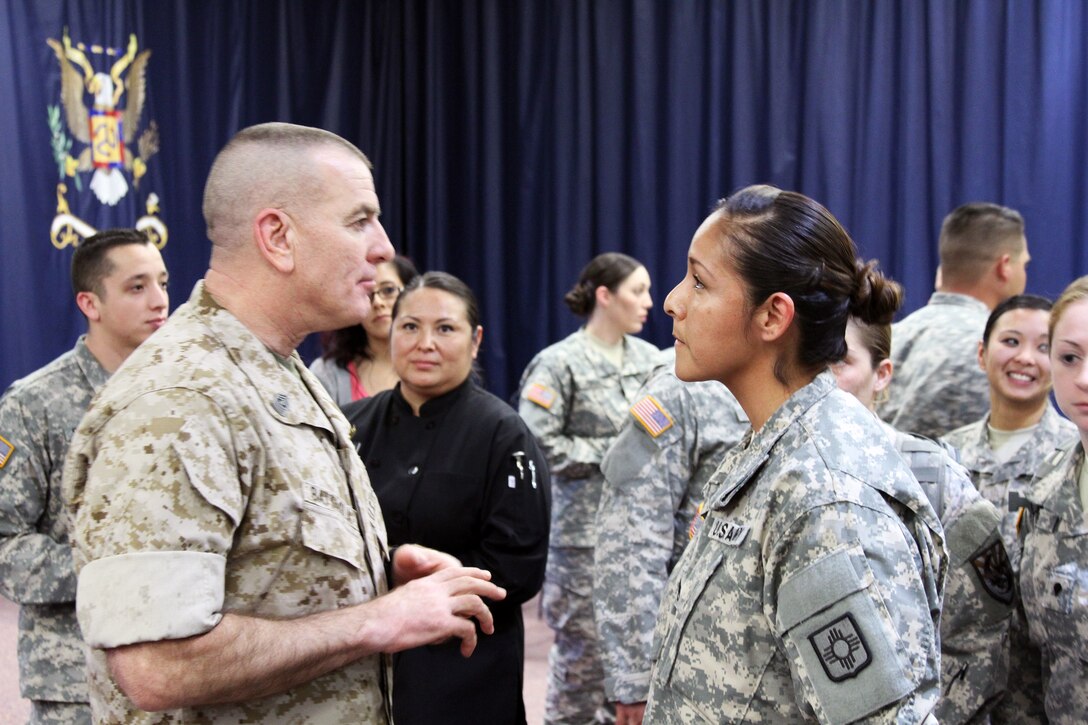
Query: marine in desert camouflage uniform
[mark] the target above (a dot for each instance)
(231, 555)
(119, 279)
(654, 475)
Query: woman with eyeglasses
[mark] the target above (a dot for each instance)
(355, 363)
(456, 469)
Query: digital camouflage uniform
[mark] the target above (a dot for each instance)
(979, 592)
(1054, 583)
(938, 385)
(998, 483)
(813, 586)
(210, 478)
(575, 402)
(38, 416)
(654, 474)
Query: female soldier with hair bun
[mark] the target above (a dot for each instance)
(812, 589)
(574, 397)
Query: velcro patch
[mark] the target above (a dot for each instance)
(992, 565)
(6, 449)
(727, 532)
(841, 649)
(540, 394)
(652, 416)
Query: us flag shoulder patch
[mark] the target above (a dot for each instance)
(652, 416)
(6, 449)
(540, 394)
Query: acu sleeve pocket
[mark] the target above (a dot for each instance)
(841, 642)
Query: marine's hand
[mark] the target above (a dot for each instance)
(433, 608)
(412, 561)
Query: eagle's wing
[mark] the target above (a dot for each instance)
(136, 85)
(71, 95)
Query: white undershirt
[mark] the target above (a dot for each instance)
(1005, 443)
(614, 353)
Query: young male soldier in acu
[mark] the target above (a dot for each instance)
(119, 281)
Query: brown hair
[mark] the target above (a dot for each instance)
(608, 270)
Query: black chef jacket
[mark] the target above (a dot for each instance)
(465, 477)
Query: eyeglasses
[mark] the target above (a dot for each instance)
(387, 292)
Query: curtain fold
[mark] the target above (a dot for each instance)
(513, 140)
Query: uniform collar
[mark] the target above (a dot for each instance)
(435, 406)
(754, 449)
(88, 364)
(292, 398)
(957, 300)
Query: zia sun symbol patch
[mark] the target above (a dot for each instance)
(841, 649)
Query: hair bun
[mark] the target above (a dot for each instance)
(580, 298)
(875, 298)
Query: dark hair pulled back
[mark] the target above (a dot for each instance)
(783, 241)
(608, 270)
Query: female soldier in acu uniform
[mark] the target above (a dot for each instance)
(813, 586)
(574, 396)
(1054, 563)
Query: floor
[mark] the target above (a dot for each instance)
(538, 639)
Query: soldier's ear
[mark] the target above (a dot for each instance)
(88, 302)
(274, 235)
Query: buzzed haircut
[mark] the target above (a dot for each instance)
(263, 166)
(975, 235)
(91, 262)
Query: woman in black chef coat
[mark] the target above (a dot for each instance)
(456, 469)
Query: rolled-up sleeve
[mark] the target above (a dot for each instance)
(155, 520)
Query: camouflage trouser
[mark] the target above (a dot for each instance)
(59, 713)
(575, 693)
(1023, 701)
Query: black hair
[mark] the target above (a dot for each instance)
(1016, 302)
(91, 263)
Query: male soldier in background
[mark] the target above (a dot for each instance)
(938, 386)
(232, 557)
(119, 282)
(654, 475)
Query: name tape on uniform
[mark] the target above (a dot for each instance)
(729, 533)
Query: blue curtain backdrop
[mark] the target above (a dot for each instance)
(514, 140)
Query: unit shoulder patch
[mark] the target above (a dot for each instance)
(540, 394)
(649, 413)
(992, 565)
(841, 649)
